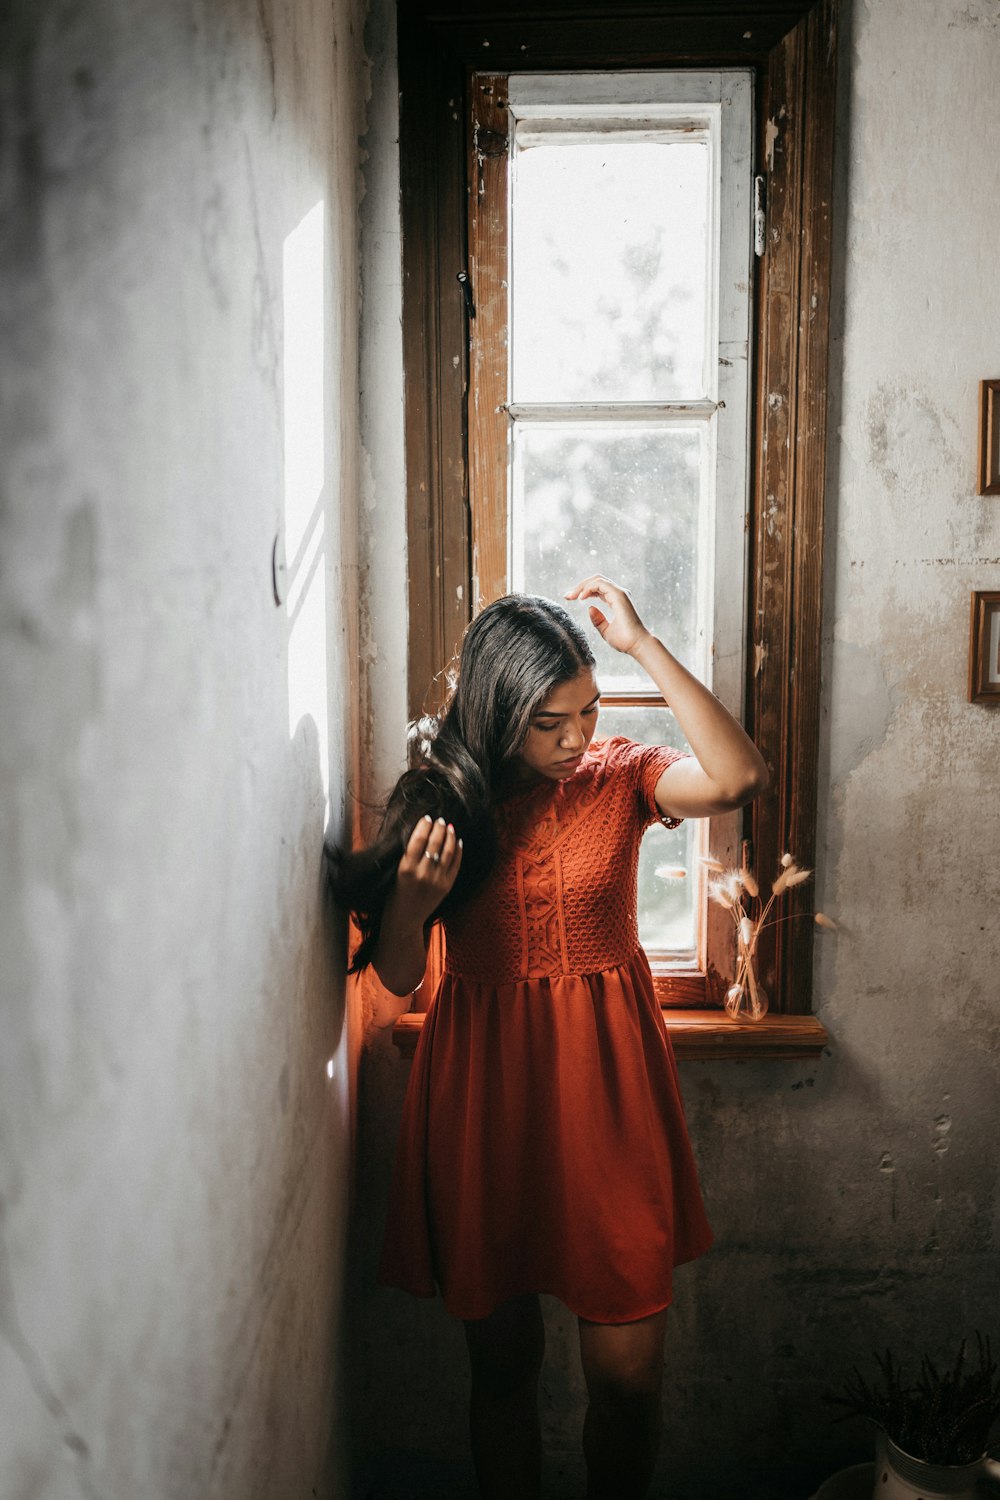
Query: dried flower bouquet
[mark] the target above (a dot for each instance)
(746, 995)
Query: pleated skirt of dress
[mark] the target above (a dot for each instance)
(543, 1148)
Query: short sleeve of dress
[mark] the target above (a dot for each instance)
(643, 765)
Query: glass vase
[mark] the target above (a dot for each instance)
(746, 998)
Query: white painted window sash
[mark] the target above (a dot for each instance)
(718, 106)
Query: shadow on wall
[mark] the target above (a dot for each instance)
(409, 1476)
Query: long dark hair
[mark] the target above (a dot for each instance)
(513, 654)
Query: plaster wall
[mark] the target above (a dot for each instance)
(855, 1200)
(179, 260)
(382, 526)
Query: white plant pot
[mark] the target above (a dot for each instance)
(900, 1477)
(854, 1483)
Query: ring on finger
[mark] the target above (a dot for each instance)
(429, 854)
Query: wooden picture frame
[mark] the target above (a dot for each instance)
(984, 647)
(989, 437)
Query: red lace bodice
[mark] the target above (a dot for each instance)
(561, 898)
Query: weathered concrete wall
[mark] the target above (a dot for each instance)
(382, 525)
(179, 258)
(856, 1200)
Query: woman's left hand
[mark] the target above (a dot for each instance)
(625, 631)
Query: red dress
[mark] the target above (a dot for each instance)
(543, 1145)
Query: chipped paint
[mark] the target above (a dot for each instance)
(985, 13)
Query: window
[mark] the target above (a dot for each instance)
(610, 263)
(495, 423)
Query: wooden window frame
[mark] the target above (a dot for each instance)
(695, 981)
(791, 45)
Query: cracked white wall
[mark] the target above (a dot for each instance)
(179, 252)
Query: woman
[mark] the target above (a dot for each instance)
(543, 1145)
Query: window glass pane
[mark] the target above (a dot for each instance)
(621, 500)
(666, 902)
(609, 269)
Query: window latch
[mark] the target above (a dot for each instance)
(463, 280)
(759, 216)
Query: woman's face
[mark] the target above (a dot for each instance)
(561, 728)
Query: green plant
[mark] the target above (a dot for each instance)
(942, 1417)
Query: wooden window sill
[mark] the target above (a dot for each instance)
(699, 1034)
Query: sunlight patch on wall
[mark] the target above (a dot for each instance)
(305, 450)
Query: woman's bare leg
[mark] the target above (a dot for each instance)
(623, 1367)
(505, 1355)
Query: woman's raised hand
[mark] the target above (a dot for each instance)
(625, 630)
(428, 868)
